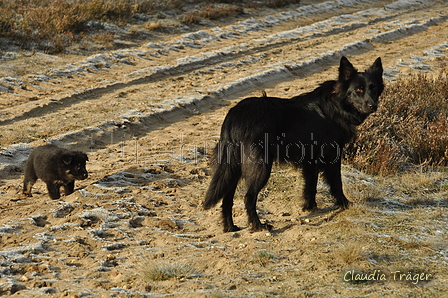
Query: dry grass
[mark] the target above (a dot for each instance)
(153, 25)
(409, 129)
(162, 272)
(54, 25)
(211, 12)
(351, 252)
(389, 241)
(263, 258)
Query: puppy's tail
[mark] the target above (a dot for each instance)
(227, 173)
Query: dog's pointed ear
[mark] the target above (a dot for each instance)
(66, 159)
(346, 69)
(376, 68)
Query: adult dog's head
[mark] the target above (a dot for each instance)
(358, 92)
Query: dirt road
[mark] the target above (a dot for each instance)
(148, 118)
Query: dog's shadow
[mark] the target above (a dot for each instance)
(317, 217)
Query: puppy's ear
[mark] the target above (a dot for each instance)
(66, 159)
(376, 68)
(346, 70)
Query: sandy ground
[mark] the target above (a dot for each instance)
(148, 118)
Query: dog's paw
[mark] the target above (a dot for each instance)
(309, 207)
(261, 227)
(232, 228)
(344, 204)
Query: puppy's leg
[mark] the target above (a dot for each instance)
(28, 185)
(53, 190)
(69, 187)
(29, 179)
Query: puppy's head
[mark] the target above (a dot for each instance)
(74, 164)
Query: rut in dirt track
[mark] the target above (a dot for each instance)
(128, 89)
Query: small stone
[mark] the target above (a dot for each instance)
(24, 278)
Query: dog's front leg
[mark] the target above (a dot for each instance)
(53, 190)
(310, 174)
(69, 187)
(332, 174)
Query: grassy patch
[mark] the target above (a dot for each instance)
(263, 258)
(54, 25)
(211, 12)
(162, 272)
(351, 252)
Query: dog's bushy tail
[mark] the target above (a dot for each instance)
(227, 172)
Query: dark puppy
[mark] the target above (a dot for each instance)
(307, 131)
(56, 167)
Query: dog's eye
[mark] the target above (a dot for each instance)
(372, 87)
(359, 90)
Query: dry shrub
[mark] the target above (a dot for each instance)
(410, 127)
(34, 21)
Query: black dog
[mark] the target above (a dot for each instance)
(307, 131)
(56, 167)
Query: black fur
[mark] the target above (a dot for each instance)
(307, 131)
(56, 167)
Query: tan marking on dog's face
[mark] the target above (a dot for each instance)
(69, 175)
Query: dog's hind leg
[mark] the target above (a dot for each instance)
(310, 174)
(227, 204)
(223, 185)
(256, 178)
(332, 174)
